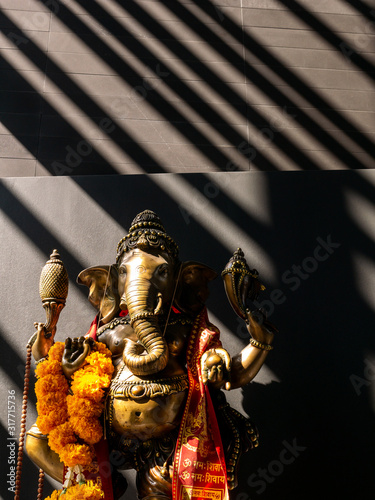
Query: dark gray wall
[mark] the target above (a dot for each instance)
(311, 237)
(113, 87)
(190, 86)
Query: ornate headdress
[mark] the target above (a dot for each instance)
(147, 232)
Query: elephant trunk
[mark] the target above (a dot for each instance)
(145, 325)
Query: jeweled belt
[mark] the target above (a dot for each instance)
(139, 389)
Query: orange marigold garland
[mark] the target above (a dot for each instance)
(87, 491)
(66, 417)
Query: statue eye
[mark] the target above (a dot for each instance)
(122, 270)
(163, 271)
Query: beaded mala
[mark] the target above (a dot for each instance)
(21, 440)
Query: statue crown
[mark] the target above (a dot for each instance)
(147, 231)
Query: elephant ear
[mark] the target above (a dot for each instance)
(192, 290)
(103, 293)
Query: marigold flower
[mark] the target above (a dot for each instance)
(53, 419)
(56, 351)
(50, 384)
(88, 385)
(77, 454)
(88, 491)
(55, 495)
(61, 436)
(102, 348)
(65, 416)
(83, 407)
(99, 361)
(51, 367)
(88, 429)
(51, 402)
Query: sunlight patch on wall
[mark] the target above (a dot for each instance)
(371, 361)
(365, 278)
(362, 211)
(77, 211)
(252, 197)
(200, 206)
(368, 176)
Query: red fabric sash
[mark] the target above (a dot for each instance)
(93, 329)
(105, 468)
(199, 470)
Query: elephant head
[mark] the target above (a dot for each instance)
(150, 280)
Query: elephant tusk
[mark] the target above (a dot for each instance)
(159, 304)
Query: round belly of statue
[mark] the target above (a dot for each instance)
(145, 410)
(148, 418)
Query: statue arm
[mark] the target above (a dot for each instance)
(43, 341)
(242, 284)
(246, 365)
(249, 361)
(41, 454)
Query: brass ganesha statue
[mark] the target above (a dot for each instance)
(165, 411)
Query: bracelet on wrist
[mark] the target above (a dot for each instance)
(40, 361)
(259, 345)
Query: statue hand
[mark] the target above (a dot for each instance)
(43, 342)
(259, 327)
(75, 353)
(216, 365)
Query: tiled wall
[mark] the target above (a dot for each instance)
(111, 87)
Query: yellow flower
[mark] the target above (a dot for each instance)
(102, 348)
(56, 351)
(64, 417)
(88, 384)
(88, 429)
(77, 454)
(55, 398)
(61, 436)
(88, 491)
(103, 364)
(51, 402)
(51, 384)
(53, 366)
(55, 495)
(53, 419)
(83, 407)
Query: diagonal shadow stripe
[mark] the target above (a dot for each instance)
(163, 106)
(216, 83)
(198, 183)
(279, 139)
(365, 188)
(321, 29)
(30, 226)
(172, 80)
(85, 102)
(273, 92)
(303, 160)
(90, 107)
(365, 9)
(293, 81)
(14, 365)
(29, 142)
